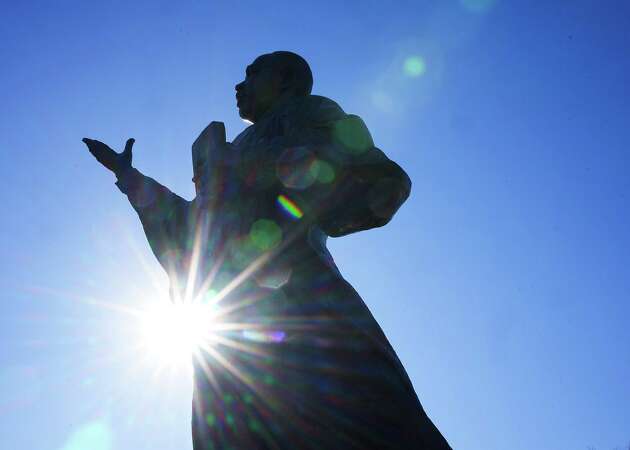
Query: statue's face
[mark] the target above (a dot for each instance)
(259, 90)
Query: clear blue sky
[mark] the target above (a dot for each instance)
(503, 282)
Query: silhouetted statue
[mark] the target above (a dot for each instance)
(297, 361)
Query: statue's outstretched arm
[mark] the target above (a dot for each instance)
(164, 215)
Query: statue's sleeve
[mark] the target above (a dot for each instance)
(356, 186)
(165, 217)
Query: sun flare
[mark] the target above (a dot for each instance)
(172, 332)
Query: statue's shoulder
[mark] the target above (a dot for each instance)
(316, 109)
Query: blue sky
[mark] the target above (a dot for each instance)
(502, 283)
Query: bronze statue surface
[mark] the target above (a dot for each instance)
(304, 364)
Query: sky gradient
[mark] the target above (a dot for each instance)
(503, 282)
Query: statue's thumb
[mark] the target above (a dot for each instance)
(128, 145)
(124, 160)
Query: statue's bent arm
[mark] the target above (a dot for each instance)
(368, 188)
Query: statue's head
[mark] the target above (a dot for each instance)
(271, 78)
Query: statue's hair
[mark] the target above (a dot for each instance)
(296, 69)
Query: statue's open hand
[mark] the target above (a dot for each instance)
(116, 162)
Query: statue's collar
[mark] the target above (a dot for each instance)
(281, 105)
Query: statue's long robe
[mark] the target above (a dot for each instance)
(300, 361)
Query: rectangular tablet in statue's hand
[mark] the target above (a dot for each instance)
(208, 147)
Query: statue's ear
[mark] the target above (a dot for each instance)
(288, 80)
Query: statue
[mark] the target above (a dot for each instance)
(304, 364)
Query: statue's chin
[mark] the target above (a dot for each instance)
(243, 113)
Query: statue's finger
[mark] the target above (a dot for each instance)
(129, 144)
(90, 145)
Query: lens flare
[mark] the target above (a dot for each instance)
(414, 66)
(265, 234)
(383, 101)
(289, 206)
(293, 167)
(262, 336)
(95, 436)
(322, 171)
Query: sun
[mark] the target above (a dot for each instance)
(172, 332)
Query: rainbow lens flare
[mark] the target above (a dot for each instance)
(289, 206)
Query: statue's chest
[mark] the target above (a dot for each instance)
(256, 170)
